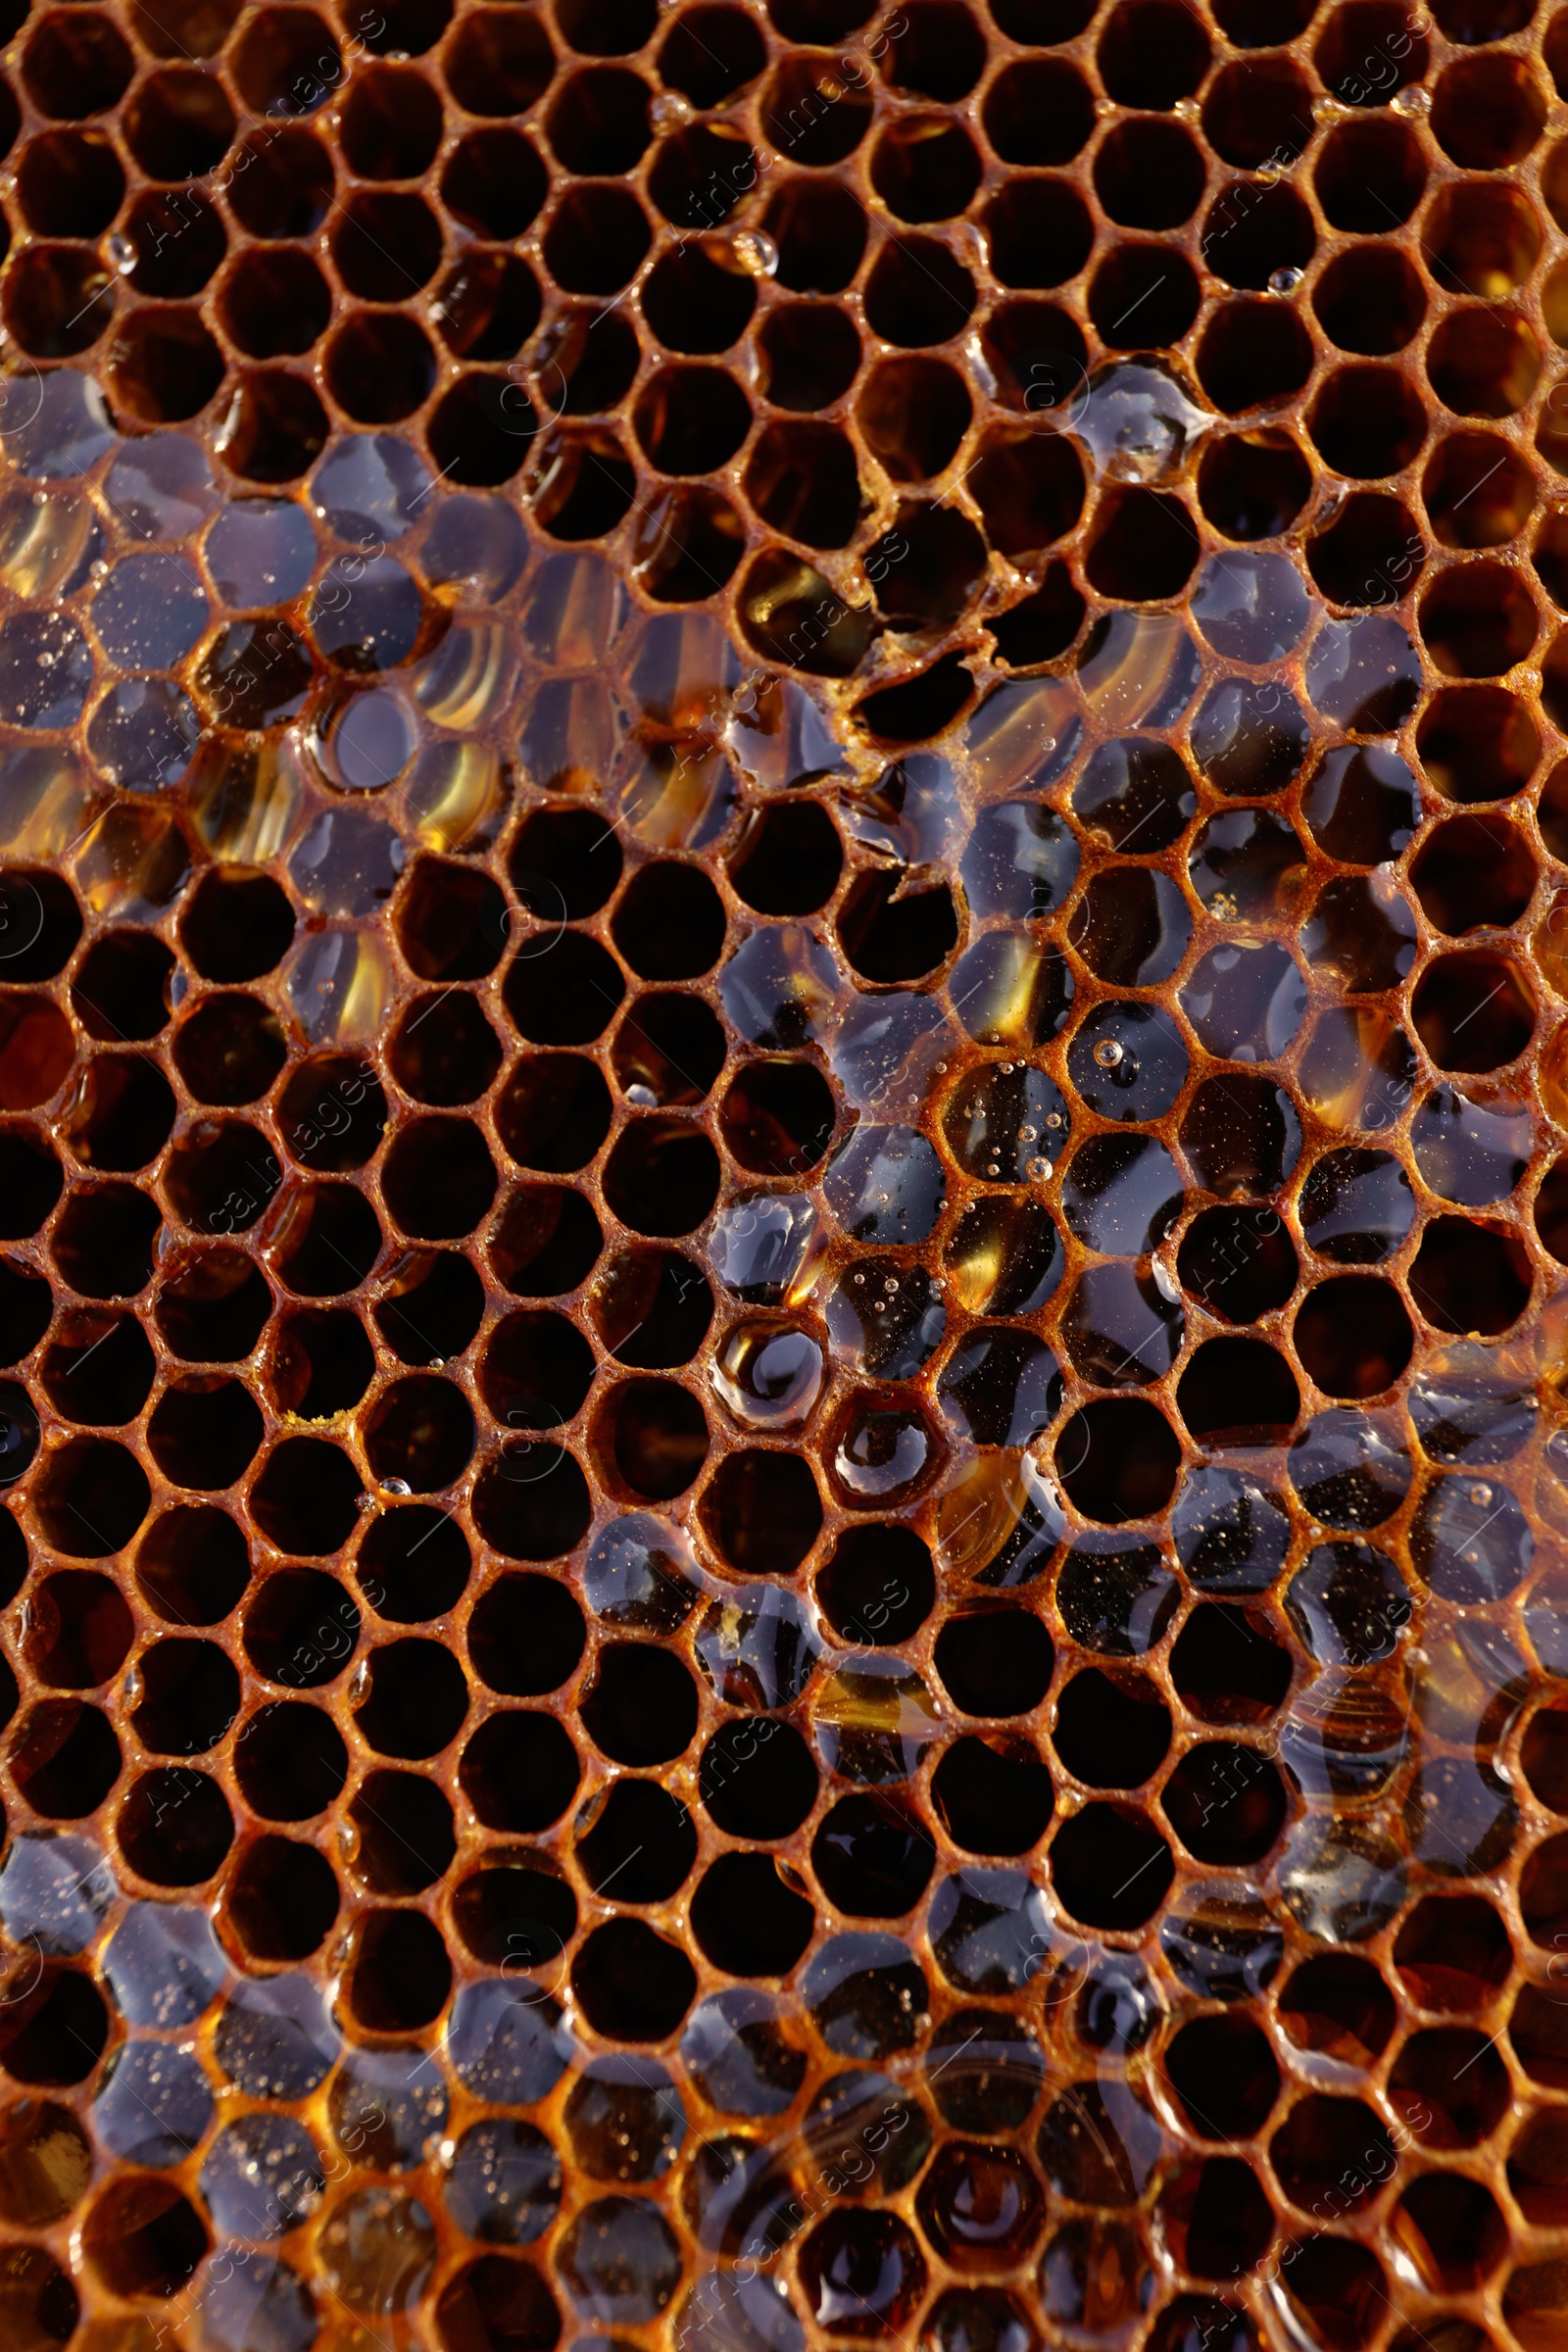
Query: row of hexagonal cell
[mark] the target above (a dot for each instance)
(1472, 871)
(1224, 1800)
(1486, 112)
(1336, 1994)
(1245, 1000)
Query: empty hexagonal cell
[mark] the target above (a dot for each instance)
(413, 1564)
(286, 61)
(1037, 353)
(801, 478)
(452, 922)
(1109, 1866)
(290, 1761)
(1252, 236)
(661, 1177)
(640, 1839)
(274, 301)
(1252, 486)
(391, 124)
(174, 1827)
(121, 1112)
(494, 182)
(143, 2238)
(709, 52)
(190, 1696)
(546, 1241)
(98, 1368)
(1118, 1459)
(92, 1493)
(399, 1974)
(690, 419)
(1369, 176)
(76, 66)
(230, 1050)
(1226, 1803)
(521, 1912)
(58, 300)
(191, 1565)
(1029, 488)
(1470, 1276)
(42, 911)
(69, 183)
(654, 1436)
(380, 367)
(1217, 2213)
(560, 990)
(652, 1309)
(281, 1900)
(777, 1118)
(1455, 2233)
(59, 2035)
(237, 927)
(1473, 1011)
(1474, 873)
(414, 1699)
(496, 2292)
(327, 1241)
(596, 238)
(445, 1050)
(282, 183)
(438, 1178)
(1477, 493)
(306, 1495)
(1252, 358)
(1371, 547)
(35, 1052)
(103, 1241)
(421, 1433)
(204, 1431)
(891, 933)
(1225, 2076)
(1535, 2163)
(1112, 1730)
(532, 1503)
(79, 1630)
(30, 1180)
(536, 1371)
(1128, 284)
(993, 1795)
(810, 116)
(694, 304)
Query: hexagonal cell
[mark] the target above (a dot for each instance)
(274, 301)
(76, 66)
(69, 183)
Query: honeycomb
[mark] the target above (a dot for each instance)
(783, 913)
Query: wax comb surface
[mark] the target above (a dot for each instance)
(783, 921)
